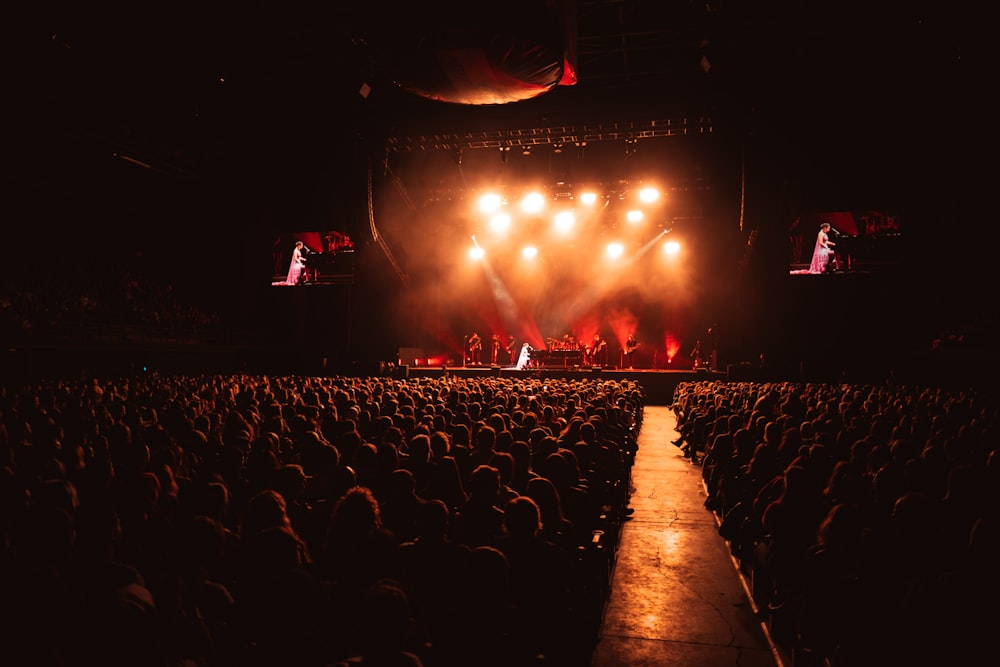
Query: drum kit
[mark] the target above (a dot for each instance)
(565, 343)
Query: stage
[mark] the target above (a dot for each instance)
(657, 384)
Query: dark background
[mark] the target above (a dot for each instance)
(188, 137)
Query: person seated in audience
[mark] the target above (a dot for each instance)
(541, 582)
(384, 626)
(480, 520)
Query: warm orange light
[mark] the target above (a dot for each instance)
(564, 221)
(490, 203)
(672, 344)
(533, 202)
(500, 223)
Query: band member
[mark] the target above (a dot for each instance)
(494, 349)
(698, 356)
(512, 349)
(599, 351)
(631, 344)
(475, 348)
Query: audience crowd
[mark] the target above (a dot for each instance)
(864, 517)
(97, 298)
(243, 520)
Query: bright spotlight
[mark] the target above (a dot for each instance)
(671, 248)
(614, 250)
(533, 203)
(634, 216)
(500, 223)
(564, 221)
(588, 198)
(490, 203)
(529, 252)
(476, 253)
(649, 195)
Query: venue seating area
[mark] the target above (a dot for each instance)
(864, 517)
(250, 520)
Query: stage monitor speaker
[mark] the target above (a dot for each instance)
(410, 356)
(596, 369)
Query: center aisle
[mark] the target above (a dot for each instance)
(676, 596)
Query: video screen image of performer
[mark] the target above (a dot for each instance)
(297, 267)
(823, 259)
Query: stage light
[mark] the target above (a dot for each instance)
(529, 252)
(648, 195)
(533, 203)
(564, 221)
(476, 253)
(614, 250)
(588, 198)
(634, 216)
(500, 223)
(490, 203)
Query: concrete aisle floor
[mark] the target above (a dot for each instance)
(676, 595)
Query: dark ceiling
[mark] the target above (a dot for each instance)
(159, 82)
(827, 105)
(163, 101)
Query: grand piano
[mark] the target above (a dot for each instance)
(863, 240)
(556, 358)
(332, 265)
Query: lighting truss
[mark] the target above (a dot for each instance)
(565, 135)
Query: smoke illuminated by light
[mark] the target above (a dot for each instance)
(567, 258)
(672, 345)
